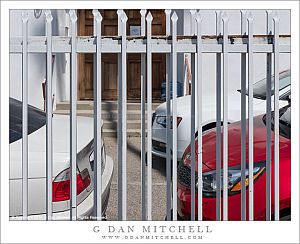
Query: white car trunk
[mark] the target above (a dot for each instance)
(37, 163)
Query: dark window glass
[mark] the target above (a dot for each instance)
(284, 121)
(36, 119)
(260, 87)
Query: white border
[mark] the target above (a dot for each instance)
(82, 232)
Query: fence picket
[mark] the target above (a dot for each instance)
(276, 116)
(149, 19)
(268, 122)
(25, 115)
(243, 119)
(143, 120)
(199, 97)
(49, 137)
(225, 116)
(168, 129)
(218, 120)
(97, 119)
(250, 115)
(73, 118)
(174, 19)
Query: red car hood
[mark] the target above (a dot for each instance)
(234, 145)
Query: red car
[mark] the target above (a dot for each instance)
(234, 171)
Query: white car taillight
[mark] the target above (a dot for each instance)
(61, 184)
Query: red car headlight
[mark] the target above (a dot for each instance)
(234, 180)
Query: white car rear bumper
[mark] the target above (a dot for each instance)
(85, 208)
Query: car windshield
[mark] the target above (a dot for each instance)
(284, 121)
(36, 119)
(260, 87)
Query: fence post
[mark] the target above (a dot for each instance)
(243, 119)
(97, 119)
(218, 116)
(119, 131)
(193, 102)
(168, 132)
(124, 116)
(276, 115)
(143, 119)
(268, 122)
(250, 114)
(199, 97)
(174, 19)
(149, 19)
(49, 137)
(25, 115)
(192, 21)
(73, 120)
(225, 116)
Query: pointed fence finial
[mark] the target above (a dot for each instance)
(192, 20)
(149, 17)
(198, 17)
(250, 16)
(143, 12)
(24, 16)
(48, 15)
(243, 21)
(174, 17)
(224, 16)
(73, 16)
(276, 16)
(168, 24)
(97, 15)
(269, 21)
(124, 17)
(143, 21)
(218, 22)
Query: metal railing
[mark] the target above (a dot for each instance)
(221, 44)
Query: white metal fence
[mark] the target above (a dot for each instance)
(197, 44)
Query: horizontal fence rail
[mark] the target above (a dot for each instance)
(222, 44)
(159, 44)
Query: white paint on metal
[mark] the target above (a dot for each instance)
(199, 97)
(174, 19)
(149, 19)
(218, 122)
(168, 129)
(250, 116)
(73, 118)
(225, 116)
(119, 131)
(243, 119)
(97, 119)
(143, 120)
(276, 116)
(49, 136)
(123, 98)
(268, 122)
(193, 103)
(25, 115)
(192, 21)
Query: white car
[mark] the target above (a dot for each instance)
(61, 164)
(209, 114)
